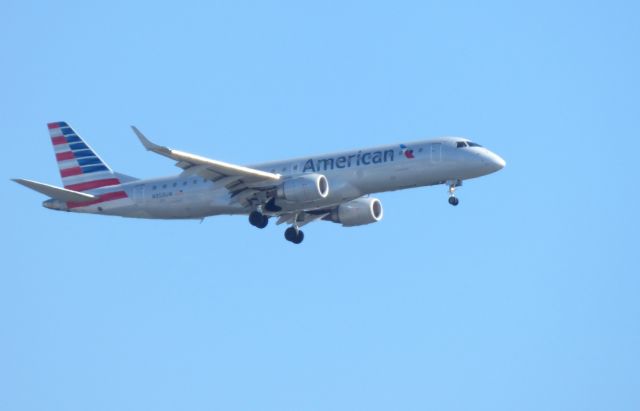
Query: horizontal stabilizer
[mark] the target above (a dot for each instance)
(54, 192)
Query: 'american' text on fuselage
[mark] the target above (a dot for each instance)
(347, 161)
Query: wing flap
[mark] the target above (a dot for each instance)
(300, 218)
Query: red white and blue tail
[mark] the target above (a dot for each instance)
(80, 167)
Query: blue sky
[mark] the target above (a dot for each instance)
(523, 297)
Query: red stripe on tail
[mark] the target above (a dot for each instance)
(73, 171)
(103, 198)
(58, 140)
(93, 184)
(67, 155)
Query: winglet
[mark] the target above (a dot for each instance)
(165, 151)
(145, 141)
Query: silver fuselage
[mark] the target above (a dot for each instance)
(351, 174)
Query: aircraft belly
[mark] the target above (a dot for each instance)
(346, 185)
(387, 178)
(194, 204)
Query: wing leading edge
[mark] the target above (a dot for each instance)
(186, 160)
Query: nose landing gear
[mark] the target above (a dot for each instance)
(453, 200)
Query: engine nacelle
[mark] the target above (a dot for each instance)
(304, 189)
(360, 211)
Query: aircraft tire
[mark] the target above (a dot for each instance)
(299, 237)
(257, 219)
(293, 235)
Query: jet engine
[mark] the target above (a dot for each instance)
(304, 189)
(360, 211)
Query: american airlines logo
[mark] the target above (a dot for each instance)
(355, 160)
(407, 152)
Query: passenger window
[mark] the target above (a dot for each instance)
(295, 167)
(184, 183)
(154, 187)
(164, 186)
(175, 184)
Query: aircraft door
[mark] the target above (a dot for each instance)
(436, 152)
(138, 194)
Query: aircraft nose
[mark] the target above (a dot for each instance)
(494, 161)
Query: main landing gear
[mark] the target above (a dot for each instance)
(453, 200)
(294, 234)
(257, 219)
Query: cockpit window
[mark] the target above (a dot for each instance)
(461, 144)
(472, 144)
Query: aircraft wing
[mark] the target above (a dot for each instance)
(302, 218)
(237, 179)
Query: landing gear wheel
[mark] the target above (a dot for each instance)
(294, 235)
(290, 234)
(453, 200)
(257, 219)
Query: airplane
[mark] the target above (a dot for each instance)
(333, 187)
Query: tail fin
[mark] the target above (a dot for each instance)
(80, 167)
